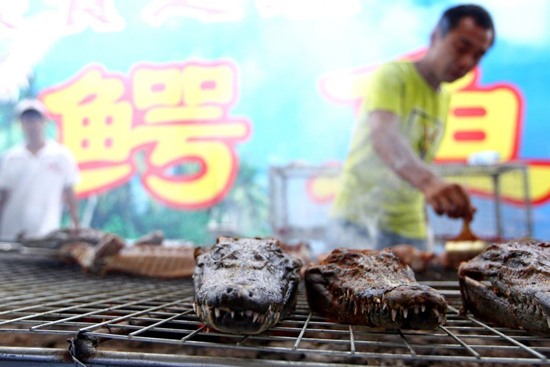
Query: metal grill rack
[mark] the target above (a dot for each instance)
(293, 213)
(129, 321)
(295, 216)
(497, 218)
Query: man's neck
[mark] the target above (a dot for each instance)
(426, 72)
(34, 146)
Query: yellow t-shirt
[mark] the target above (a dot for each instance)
(370, 193)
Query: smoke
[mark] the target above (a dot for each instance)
(522, 22)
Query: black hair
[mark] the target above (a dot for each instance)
(452, 16)
(30, 114)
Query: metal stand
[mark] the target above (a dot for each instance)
(289, 203)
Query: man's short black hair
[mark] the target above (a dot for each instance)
(452, 16)
(31, 114)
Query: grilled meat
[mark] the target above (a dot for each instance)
(152, 261)
(91, 257)
(112, 256)
(245, 285)
(509, 284)
(410, 255)
(372, 288)
(153, 238)
(60, 237)
(298, 249)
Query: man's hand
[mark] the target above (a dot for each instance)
(449, 198)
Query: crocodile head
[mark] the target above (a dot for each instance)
(372, 288)
(509, 284)
(245, 286)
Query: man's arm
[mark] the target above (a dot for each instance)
(73, 206)
(445, 197)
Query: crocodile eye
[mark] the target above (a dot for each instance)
(216, 254)
(233, 256)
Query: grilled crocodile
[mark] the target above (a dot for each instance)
(111, 255)
(372, 288)
(509, 284)
(60, 237)
(245, 285)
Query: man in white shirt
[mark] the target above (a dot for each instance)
(35, 177)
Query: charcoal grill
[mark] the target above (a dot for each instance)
(129, 321)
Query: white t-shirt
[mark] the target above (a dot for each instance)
(35, 185)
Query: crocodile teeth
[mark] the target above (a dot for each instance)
(393, 314)
(232, 314)
(436, 313)
(249, 313)
(255, 316)
(548, 321)
(405, 312)
(423, 308)
(384, 306)
(217, 312)
(416, 310)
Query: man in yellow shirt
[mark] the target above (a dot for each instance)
(386, 179)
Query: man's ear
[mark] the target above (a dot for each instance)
(433, 36)
(436, 35)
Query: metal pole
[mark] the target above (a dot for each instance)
(284, 204)
(528, 207)
(272, 196)
(498, 216)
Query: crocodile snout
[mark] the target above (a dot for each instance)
(238, 296)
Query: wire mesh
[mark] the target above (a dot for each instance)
(301, 198)
(41, 300)
(501, 195)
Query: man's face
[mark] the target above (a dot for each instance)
(461, 49)
(33, 126)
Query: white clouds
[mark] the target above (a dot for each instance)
(307, 9)
(520, 21)
(404, 22)
(523, 22)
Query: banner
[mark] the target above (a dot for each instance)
(176, 109)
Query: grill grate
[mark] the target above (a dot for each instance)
(149, 321)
